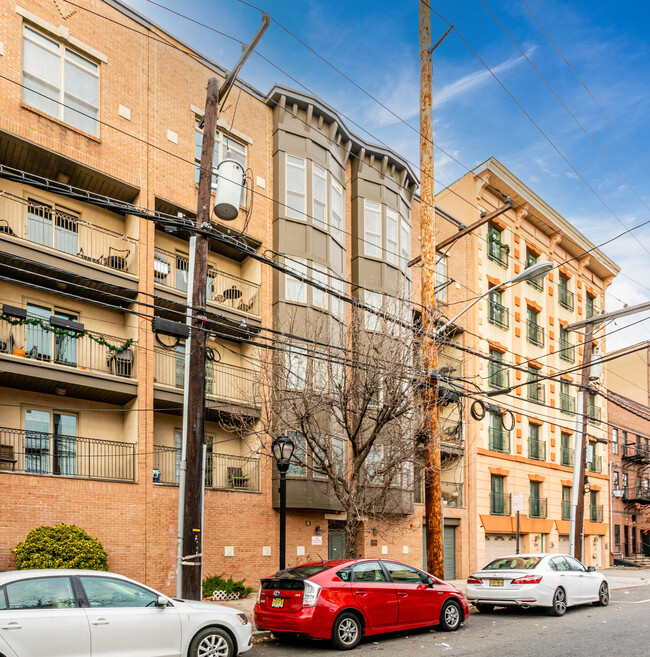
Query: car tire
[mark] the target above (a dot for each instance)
(213, 639)
(484, 608)
(451, 616)
(347, 631)
(603, 596)
(558, 607)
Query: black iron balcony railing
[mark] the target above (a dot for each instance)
(38, 453)
(536, 392)
(498, 375)
(635, 452)
(535, 334)
(452, 493)
(224, 289)
(537, 283)
(596, 512)
(536, 449)
(567, 404)
(596, 464)
(498, 315)
(498, 252)
(566, 298)
(66, 233)
(34, 343)
(500, 440)
(500, 504)
(538, 507)
(566, 456)
(222, 471)
(594, 413)
(566, 509)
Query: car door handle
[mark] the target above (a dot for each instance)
(12, 626)
(402, 594)
(362, 592)
(100, 621)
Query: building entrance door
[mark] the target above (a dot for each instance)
(335, 539)
(645, 542)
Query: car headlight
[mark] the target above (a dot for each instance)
(242, 618)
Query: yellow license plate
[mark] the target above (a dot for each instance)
(496, 582)
(278, 603)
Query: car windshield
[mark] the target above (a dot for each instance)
(513, 563)
(302, 572)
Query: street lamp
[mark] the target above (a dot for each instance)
(282, 450)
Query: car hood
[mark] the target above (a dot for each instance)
(211, 606)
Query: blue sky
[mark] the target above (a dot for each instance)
(376, 45)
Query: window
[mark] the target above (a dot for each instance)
(615, 479)
(392, 238)
(497, 312)
(559, 564)
(567, 400)
(405, 242)
(566, 502)
(617, 538)
(499, 437)
(296, 290)
(566, 350)
(319, 195)
(537, 503)
(368, 571)
(297, 467)
(536, 447)
(498, 376)
(337, 214)
(296, 369)
(590, 306)
(50, 435)
(372, 229)
(535, 332)
(296, 198)
(374, 463)
(536, 389)
(60, 82)
(339, 457)
(108, 592)
(41, 593)
(531, 259)
(319, 274)
(337, 305)
(441, 278)
(372, 300)
(614, 441)
(574, 564)
(566, 452)
(624, 480)
(564, 294)
(497, 251)
(498, 506)
(3, 602)
(401, 574)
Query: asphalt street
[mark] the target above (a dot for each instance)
(622, 628)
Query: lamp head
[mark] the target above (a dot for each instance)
(533, 273)
(282, 449)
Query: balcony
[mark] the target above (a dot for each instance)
(223, 290)
(596, 464)
(38, 453)
(635, 453)
(594, 413)
(36, 359)
(536, 393)
(537, 507)
(566, 298)
(567, 404)
(498, 376)
(499, 440)
(223, 471)
(536, 449)
(498, 252)
(566, 456)
(538, 284)
(451, 440)
(500, 504)
(596, 512)
(498, 315)
(452, 493)
(567, 352)
(535, 334)
(566, 509)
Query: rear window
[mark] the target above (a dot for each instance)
(513, 563)
(302, 572)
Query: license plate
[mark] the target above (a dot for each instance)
(278, 603)
(496, 582)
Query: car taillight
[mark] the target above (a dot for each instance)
(259, 595)
(529, 579)
(312, 591)
(474, 580)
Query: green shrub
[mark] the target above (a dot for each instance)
(62, 546)
(213, 583)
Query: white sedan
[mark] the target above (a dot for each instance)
(556, 581)
(85, 613)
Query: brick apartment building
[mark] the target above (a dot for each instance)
(629, 453)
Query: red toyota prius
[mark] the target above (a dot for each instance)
(346, 600)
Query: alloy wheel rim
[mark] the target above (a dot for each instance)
(348, 631)
(213, 645)
(451, 615)
(560, 603)
(604, 593)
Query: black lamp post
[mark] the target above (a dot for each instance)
(282, 449)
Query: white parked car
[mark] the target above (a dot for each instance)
(85, 613)
(556, 581)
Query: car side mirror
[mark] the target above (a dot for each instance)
(431, 582)
(591, 569)
(162, 601)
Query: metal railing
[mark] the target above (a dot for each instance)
(223, 471)
(38, 453)
(567, 404)
(536, 449)
(498, 252)
(566, 298)
(498, 315)
(34, 343)
(566, 509)
(452, 493)
(67, 233)
(596, 512)
(499, 440)
(535, 334)
(594, 413)
(498, 375)
(500, 504)
(595, 465)
(537, 283)
(566, 456)
(222, 380)
(536, 392)
(538, 507)
(567, 352)
(224, 289)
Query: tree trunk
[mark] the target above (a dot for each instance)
(351, 530)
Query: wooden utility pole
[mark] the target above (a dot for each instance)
(192, 528)
(432, 491)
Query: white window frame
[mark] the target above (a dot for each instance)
(337, 217)
(317, 172)
(61, 51)
(441, 277)
(290, 209)
(392, 236)
(405, 243)
(320, 275)
(373, 300)
(614, 441)
(337, 306)
(295, 290)
(296, 365)
(373, 241)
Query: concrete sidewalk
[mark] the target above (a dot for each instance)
(618, 578)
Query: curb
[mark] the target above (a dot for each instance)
(261, 634)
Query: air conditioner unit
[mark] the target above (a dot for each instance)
(618, 493)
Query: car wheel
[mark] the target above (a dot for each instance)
(603, 596)
(451, 616)
(212, 642)
(558, 608)
(347, 631)
(484, 608)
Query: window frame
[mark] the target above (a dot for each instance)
(371, 249)
(322, 202)
(296, 264)
(392, 245)
(290, 212)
